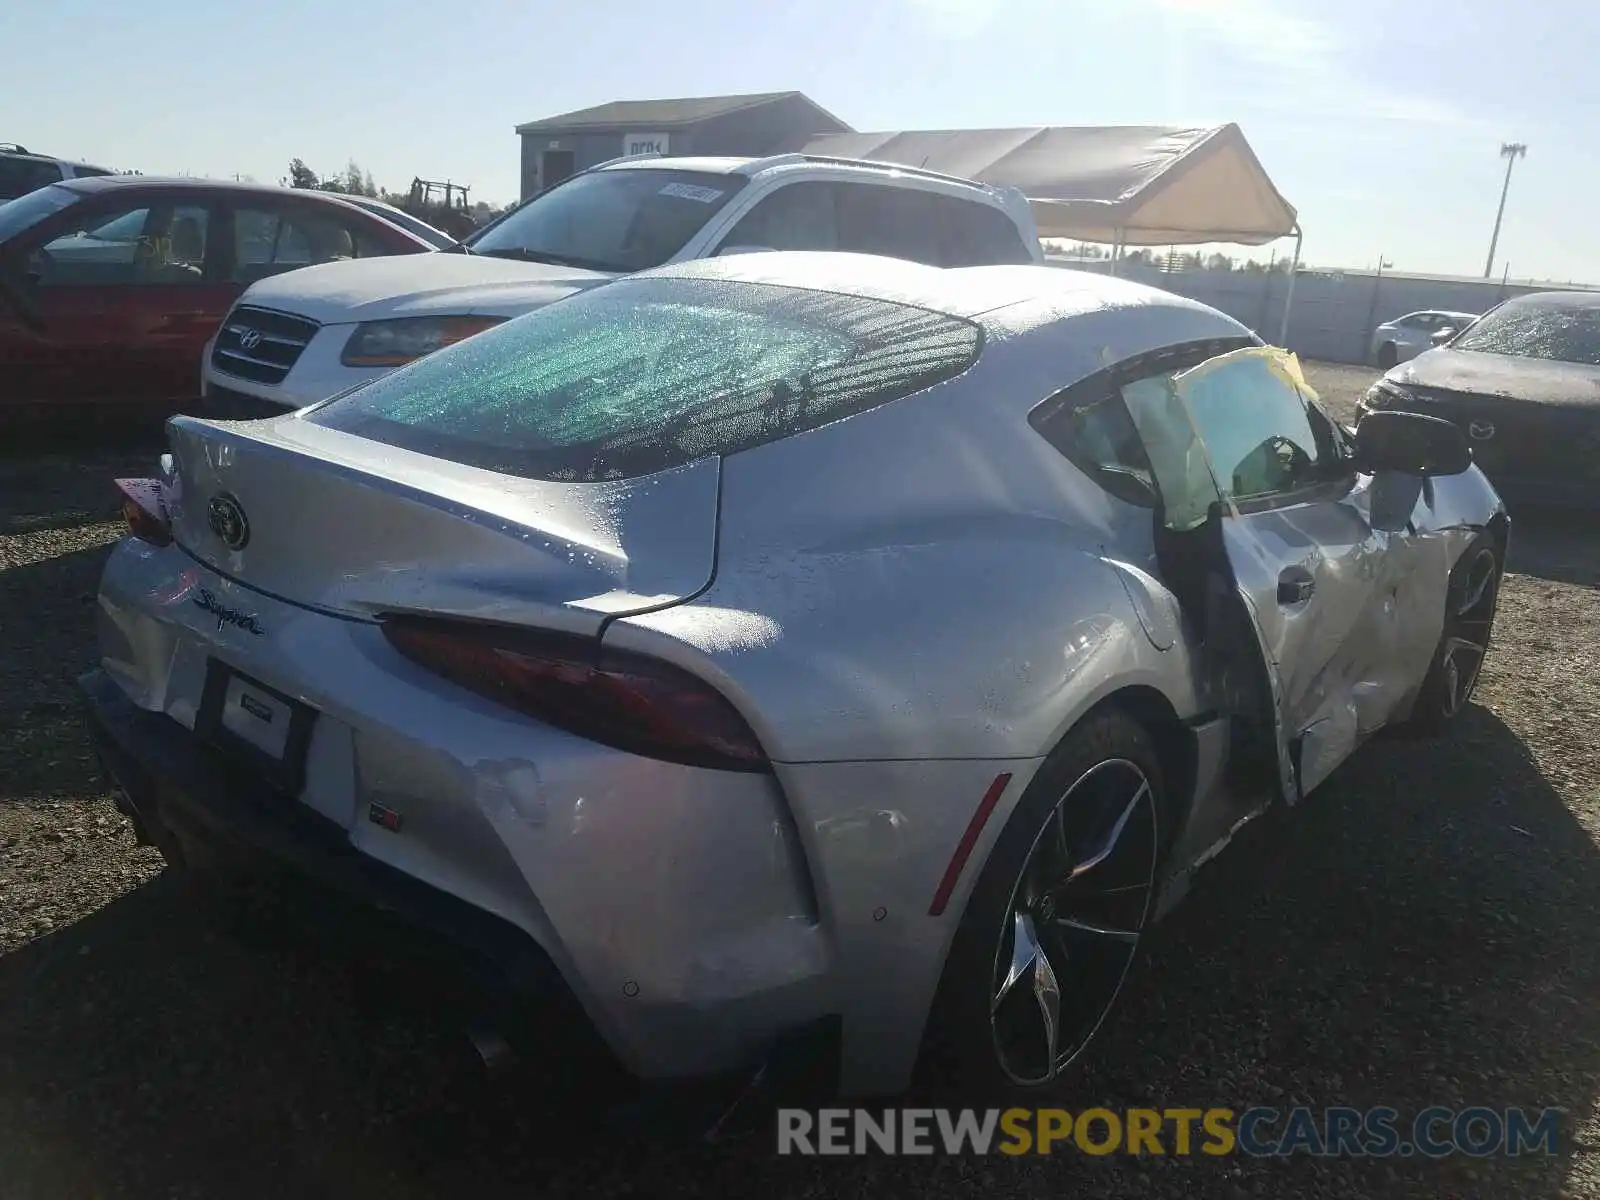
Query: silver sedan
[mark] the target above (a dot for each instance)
(1403, 338)
(791, 645)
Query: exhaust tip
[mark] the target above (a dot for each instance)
(492, 1049)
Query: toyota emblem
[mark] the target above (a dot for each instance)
(227, 521)
(1481, 431)
(249, 339)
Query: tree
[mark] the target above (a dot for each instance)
(354, 181)
(300, 175)
(1074, 249)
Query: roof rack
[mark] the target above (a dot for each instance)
(14, 148)
(780, 160)
(796, 158)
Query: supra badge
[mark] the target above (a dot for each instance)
(226, 517)
(207, 601)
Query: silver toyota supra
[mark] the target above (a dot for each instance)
(790, 646)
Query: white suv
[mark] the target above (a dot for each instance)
(298, 338)
(22, 171)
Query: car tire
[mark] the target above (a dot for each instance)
(1471, 601)
(1388, 355)
(1075, 869)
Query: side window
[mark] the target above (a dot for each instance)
(1177, 458)
(797, 217)
(1256, 426)
(978, 235)
(144, 245)
(1091, 426)
(19, 176)
(269, 241)
(898, 222)
(183, 253)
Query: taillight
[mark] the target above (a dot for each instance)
(144, 507)
(629, 701)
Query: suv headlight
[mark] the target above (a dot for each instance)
(397, 342)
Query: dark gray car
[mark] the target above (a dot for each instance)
(1523, 383)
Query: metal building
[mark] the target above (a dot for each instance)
(555, 147)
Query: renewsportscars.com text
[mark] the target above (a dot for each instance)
(1259, 1132)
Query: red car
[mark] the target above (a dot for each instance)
(111, 286)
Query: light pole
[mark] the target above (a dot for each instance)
(1510, 151)
(1372, 304)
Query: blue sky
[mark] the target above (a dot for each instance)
(1381, 122)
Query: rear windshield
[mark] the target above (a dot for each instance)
(434, 237)
(1557, 332)
(642, 375)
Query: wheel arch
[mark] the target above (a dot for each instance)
(1174, 747)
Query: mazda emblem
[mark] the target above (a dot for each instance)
(1481, 431)
(249, 339)
(228, 522)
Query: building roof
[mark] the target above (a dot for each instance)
(662, 114)
(1140, 185)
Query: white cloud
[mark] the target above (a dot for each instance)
(956, 18)
(1261, 30)
(1307, 57)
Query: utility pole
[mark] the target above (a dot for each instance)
(1372, 307)
(1510, 151)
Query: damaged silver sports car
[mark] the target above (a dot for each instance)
(790, 649)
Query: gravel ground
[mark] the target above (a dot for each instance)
(1426, 931)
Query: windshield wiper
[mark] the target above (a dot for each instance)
(522, 254)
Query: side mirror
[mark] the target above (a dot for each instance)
(1410, 443)
(1441, 336)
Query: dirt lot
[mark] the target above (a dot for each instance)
(1427, 931)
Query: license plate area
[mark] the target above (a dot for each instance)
(255, 724)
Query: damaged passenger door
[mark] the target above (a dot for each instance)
(1264, 536)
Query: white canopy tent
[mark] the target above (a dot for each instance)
(1123, 185)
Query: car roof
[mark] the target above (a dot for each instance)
(957, 291)
(111, 183)
(704, 164)
(93, 185)
(33, 156)
(750, 167)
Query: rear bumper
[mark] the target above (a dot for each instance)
(197, 807)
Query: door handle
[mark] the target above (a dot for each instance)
(1295, 586)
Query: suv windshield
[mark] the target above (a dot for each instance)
(1552, 330)
(624, 220)
(644, 375)
(26, 211)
